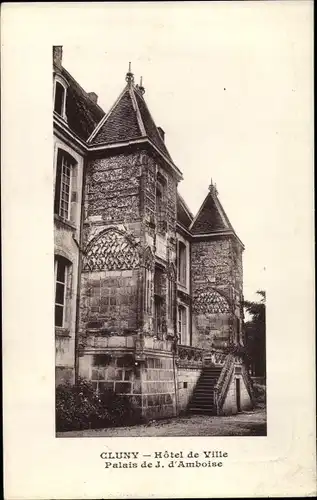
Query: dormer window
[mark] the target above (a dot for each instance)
(60, 90)
(59, 98)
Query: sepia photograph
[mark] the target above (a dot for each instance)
(154, 333)
(158, 250)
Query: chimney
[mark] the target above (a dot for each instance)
(162, 133)
(93, 97)
(58, 55)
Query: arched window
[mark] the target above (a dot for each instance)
(64, 166)
(62, 273)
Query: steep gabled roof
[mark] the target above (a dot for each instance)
(184, 215)
(211, 216)
(119, 124)
(129, 118)
(82, 113)
(149, 125)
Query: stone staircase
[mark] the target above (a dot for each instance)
(202, 400)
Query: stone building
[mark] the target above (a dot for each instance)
(148, 297)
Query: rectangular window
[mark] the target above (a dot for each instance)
(159, 203)
(182, 325)
(147, 300)
(159, 298)
(182, 263)
(158, 302)
(63, 185)
(170, 298)
(160, 198)
(60, 290)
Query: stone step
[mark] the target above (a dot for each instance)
(207, 380)
(211, 373)
(205, 403)
(202, 408)
(203, 412)
(214, 370)
(198, 406)
(202, 402)
(203, 396)
(206, 386)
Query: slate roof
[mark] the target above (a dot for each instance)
(211, 217)
(82, 113)
(121, 123)
(129, 118)
(149, 125)
(184, 215)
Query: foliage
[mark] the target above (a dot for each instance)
(80, 407)
(259, 392)
(255, 335)
(235, 349)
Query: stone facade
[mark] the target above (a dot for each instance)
(147, 300)
(216, 270)
(66, 238)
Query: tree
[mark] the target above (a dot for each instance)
(255, 336)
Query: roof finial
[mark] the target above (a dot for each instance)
(129, 76)
(213, 188)
(141, 88)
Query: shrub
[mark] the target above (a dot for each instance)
(259, 393)
(79, 407)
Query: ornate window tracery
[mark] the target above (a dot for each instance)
(111, 250)
(210, 301)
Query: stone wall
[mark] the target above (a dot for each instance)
(216, 267)
(230, 403)
(112, 189)
(111, 262)
(189, 367)
(186, 381)
(159, 239)
(150, 385)
(123, 234)
(109, 302)
(66, 238)
(158, 382)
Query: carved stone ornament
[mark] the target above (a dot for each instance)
(210, 301)
(171, 271)
(148, 258)
(111, 250)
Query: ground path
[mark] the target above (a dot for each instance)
(252, 423)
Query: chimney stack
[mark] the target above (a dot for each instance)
(93, 97)
(58, 56)
(162, 133)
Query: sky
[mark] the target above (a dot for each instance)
(221, 80)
